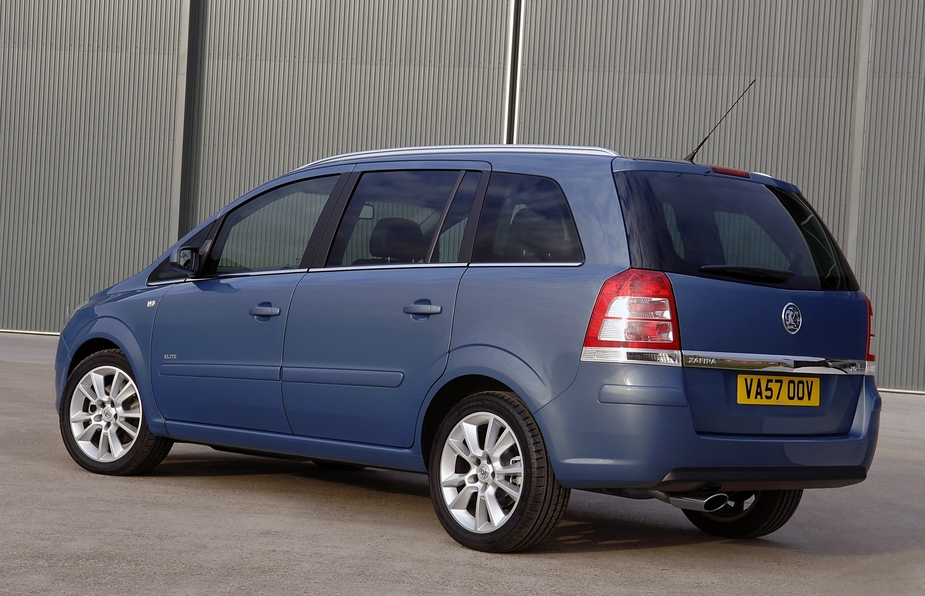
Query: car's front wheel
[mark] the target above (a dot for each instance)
(102, 421)
(491, 482)
(748, 514)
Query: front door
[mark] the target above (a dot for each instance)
(218, 341)
(218, 346)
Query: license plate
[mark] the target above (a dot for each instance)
(760, 390)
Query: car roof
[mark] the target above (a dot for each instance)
(489, 150)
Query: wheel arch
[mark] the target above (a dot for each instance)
(448, 396)
(475, 368)
(109, 333)
(90, 347)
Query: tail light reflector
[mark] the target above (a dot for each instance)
(634, 320)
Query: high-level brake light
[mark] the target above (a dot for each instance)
(730, 172)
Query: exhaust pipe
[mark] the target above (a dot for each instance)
(708, 504)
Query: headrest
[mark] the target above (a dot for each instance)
(397, 239)
(534, 237)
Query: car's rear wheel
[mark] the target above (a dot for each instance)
(102, 420)
(748, 514)
(491, 482)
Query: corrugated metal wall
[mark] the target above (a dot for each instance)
(86, 126)
(288, 82)
(651, 78)
(891, 255)
(95, 94)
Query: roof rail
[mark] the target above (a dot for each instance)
(447, 149)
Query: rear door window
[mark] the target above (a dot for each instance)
(732, 229)
(393, 218)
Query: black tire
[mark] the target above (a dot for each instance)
(507, 471)
(106, 433)
(749, 514)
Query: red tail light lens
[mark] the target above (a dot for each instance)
(634, 320)
(871, 340)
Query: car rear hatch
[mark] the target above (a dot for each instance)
(774, 333)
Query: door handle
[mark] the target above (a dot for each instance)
(264, 311)
(422, 309)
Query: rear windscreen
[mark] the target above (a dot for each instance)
(719, 227)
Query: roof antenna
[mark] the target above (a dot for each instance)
(691, 155)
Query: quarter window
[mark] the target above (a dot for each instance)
(526, 219)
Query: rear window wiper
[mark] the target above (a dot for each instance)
(760, 274)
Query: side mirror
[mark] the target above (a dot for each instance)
(185, 260)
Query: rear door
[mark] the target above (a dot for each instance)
(369, 328)
(772, 326)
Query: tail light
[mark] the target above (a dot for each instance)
(871, 358)
(634, 320)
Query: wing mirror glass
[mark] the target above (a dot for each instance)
(185, 259)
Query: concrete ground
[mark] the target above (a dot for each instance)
(213, 523)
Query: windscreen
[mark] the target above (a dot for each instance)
(719, 227)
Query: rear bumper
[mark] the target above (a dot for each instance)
(732, 479)
(595, 443)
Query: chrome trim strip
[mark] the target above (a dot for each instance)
(519, 264)
(631, 356)
(438, 265)
(773, 363)
(225, 276)
(396, 266)
(314, 270)
(166, 282)
(255, 273)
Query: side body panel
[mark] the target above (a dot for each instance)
(524, 326)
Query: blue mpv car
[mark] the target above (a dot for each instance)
(515, 321)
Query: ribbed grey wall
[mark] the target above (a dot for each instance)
(891, 255)
(86, 127)
(287, 82)
(122, 123)
(651, 78)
